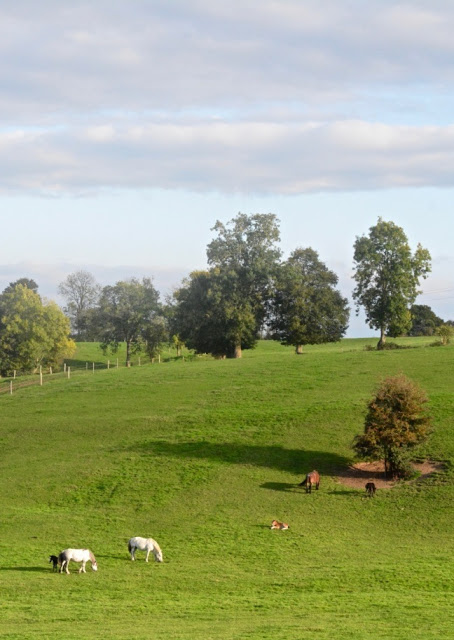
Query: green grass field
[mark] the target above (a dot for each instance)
(201, 455)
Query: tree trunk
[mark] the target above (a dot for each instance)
(381, 342)
(299, 349)
(237, 352)
(128, 349)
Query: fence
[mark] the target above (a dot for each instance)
(13, 383)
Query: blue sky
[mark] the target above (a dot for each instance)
(128, 129)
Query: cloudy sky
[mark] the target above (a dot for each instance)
(128, 128)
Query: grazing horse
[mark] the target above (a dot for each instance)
(279, 525)
(77, 555)
(145, 544)
(371, 489)
(54, 561)
(311, 478)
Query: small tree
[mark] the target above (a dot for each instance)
(396, 421)
(445, 333)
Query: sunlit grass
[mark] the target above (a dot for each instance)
(202, 455)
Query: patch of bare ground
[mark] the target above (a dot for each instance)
(358, 474)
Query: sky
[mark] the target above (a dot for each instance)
(128, 128)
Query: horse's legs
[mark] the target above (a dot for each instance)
(148, 553)
(133, 553)
(65, 564)
(82, 567)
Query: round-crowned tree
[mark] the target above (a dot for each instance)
(397, 421)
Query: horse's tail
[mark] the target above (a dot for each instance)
(129, 546)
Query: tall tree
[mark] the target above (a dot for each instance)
(387, 277)
(307, 308)
(125, 312)
(81, 292)
(32, 332)
(244, 258)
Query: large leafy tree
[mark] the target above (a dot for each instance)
(125, 312)
(206, 317)
(32, 332)
(243, 260)
(396, 421)
(424, 321)
(81, 292)
(387, 277)
(307, 307)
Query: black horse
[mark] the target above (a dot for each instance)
(371, 489)
(54, 561)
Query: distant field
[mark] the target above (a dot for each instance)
(202, 454)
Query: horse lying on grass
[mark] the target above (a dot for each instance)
(312, 478)
(145, 544)
(77, 555)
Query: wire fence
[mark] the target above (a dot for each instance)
(42, 376)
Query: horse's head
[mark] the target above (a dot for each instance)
(94, 566)
(158, 556)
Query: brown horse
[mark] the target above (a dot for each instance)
(312, 478)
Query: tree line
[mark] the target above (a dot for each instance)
(247, 291)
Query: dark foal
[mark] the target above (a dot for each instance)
(371, 489)
(54, 561)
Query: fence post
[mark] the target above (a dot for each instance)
(152, 361)
(64, 367)
(108, 364)
(50, 370)
(93, 367)
(40, 377)
(86, 366)
(11, 387)
(159, 358)
(69, 372)
(14, 374)
(139, 361)
(117, 363)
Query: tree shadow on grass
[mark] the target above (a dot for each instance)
(298, 461)
(32, 569)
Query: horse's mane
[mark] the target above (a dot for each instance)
(92, 557)
(156, 546)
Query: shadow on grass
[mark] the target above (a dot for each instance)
(298, 461)
(280, 486)
(32, 569)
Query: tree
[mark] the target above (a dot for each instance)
(307, 309)
(424, 321)
(396, 422)
(26, 282)
(81, 292)
(445, 333)
(154, 334)
(125, 312)
(243, 259)
(387, 276)
(32, 332)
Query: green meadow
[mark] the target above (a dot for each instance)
(202, 455)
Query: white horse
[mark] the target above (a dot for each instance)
(77, 555)
(145, 544)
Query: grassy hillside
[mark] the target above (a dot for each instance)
(202, 455)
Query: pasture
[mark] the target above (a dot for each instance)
(202, 455)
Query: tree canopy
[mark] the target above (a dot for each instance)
(32, 332)
(424, 321)
(81, 292)
(387, 277)
(125, 312)
(396, 421)
(306, 306)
